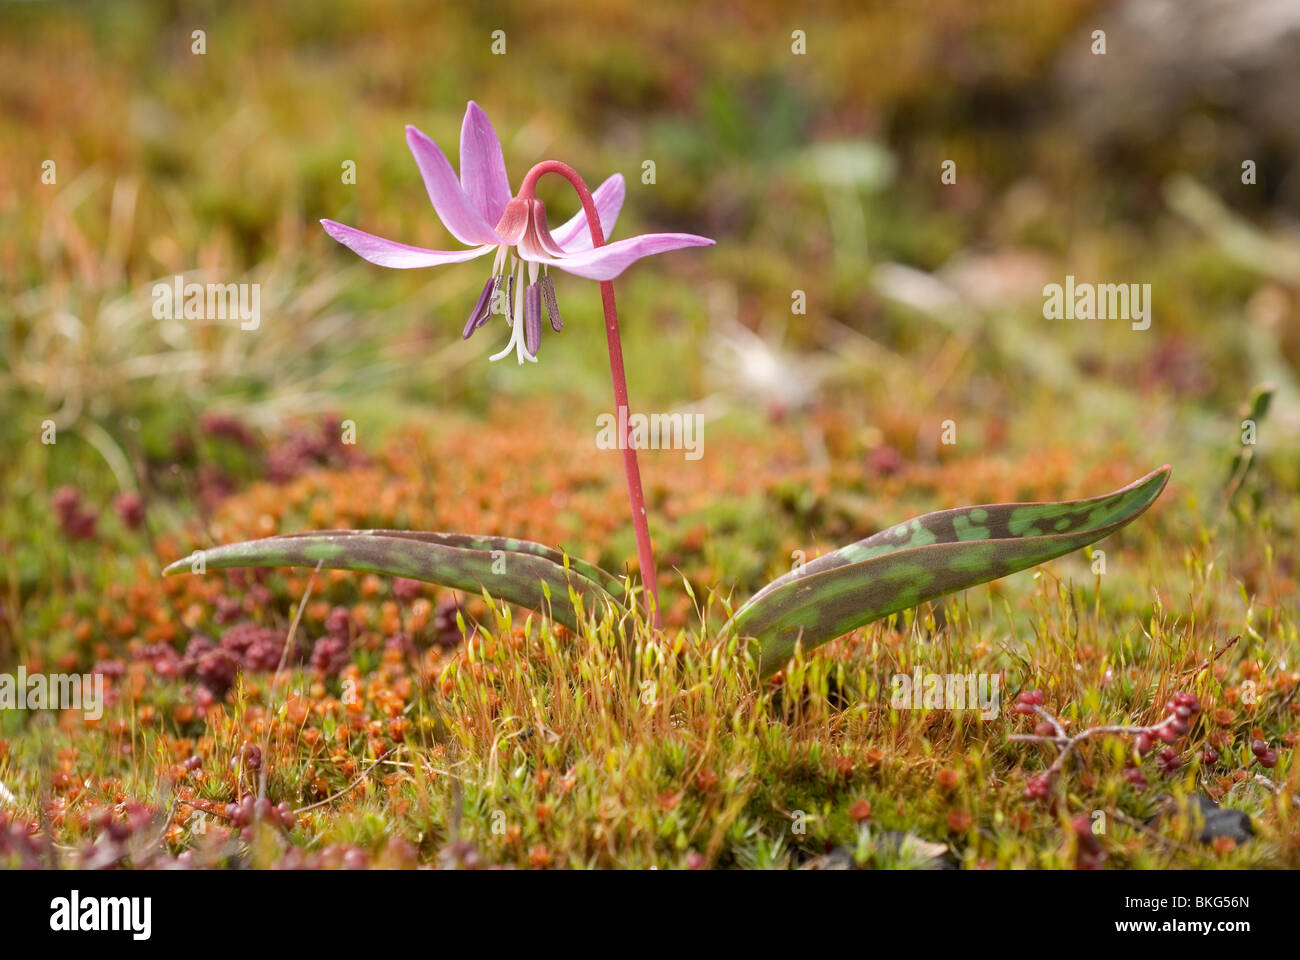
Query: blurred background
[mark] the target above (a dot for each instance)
(816, 172)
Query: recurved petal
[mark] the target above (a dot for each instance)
(390, 253)
(607, 262)
(573, 234)
(482, 165)
(461, 217)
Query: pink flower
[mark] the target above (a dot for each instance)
(480, 212)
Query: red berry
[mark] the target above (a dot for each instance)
(1188, 700)
(66, 501)
(130, 509)
(1038, 787)
(355, 859)
(1169, 760)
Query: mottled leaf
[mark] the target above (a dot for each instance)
(924, 558)
(517, 571)
(469, 541)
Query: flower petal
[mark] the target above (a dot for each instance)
(607, 262)
(482, 165)
(573, 234)
(390, 253)
(454, 208)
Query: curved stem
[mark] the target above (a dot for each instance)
(645, 553)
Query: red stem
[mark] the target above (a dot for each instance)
(645, 553)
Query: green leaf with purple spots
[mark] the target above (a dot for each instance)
(925, 558)
(526, 574)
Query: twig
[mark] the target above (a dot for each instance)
(1273, 787)
(1070, 744)
(364, 774)
(1217, 654)
(447, 773)
(1277, 789)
